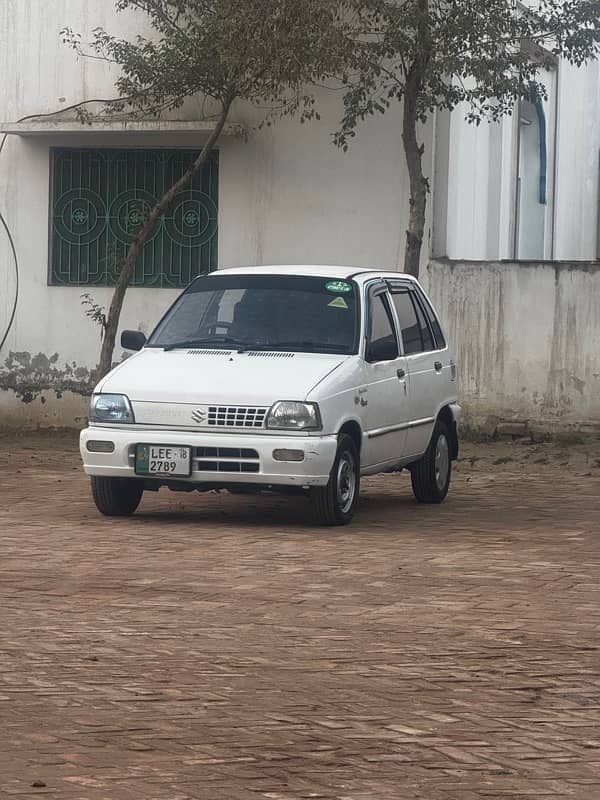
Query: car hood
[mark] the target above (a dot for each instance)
(218, 377)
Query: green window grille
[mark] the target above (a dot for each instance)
(101, 197)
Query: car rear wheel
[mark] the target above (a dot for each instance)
(432, 473)
(335, 503)
(117, 497)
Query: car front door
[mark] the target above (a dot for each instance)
(425, 367)
(384, 393)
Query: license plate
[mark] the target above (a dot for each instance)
(163, 460)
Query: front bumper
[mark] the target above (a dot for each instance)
(319, 455)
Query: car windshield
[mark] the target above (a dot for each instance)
(274, 312)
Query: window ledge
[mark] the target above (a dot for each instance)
(60, 127)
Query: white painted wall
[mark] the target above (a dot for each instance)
(40, 75)
(289, 196)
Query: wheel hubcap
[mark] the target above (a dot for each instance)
(346, 482)
(442, 462)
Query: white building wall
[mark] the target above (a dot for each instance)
(578, 163)
(482, 165)
(468, 185)
(285, 196)
(39, 73)
(289, 196)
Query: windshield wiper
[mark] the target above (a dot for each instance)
(241, 347)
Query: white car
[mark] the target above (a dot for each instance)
(297, 379)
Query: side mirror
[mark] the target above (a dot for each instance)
(132, 340)
(382, 350)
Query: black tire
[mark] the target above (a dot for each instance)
(335, 503)
(432, 473)
(117, 497)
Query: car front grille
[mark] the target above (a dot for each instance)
(236, 417)
(226, 459)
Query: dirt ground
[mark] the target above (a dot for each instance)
(222, 648)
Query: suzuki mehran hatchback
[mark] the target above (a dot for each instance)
(297, 379)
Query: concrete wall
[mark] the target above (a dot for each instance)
(527, 340)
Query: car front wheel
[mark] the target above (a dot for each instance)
(431, 474)
(117, 497)
(335, 503)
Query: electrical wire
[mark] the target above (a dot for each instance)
(11, 242)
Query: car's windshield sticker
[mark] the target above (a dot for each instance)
(339, 287)
(339, 302)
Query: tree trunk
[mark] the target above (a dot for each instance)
(418, 183)
(137, 245)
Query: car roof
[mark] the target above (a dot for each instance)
(321, 271)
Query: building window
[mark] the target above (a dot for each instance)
(101, 197)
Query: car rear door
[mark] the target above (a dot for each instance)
(384, 393)
(425, 365)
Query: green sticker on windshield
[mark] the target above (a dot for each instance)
(339, 302)
(339, 287)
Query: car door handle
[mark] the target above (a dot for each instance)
(401, 374)
(438, 366)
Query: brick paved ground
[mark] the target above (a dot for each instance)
(216, 647)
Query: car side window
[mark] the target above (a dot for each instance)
(426, 336)
(409, 324)
(382, 345)
(434, 323)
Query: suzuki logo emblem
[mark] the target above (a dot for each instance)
(199, 416)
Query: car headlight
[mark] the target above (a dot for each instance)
(295, 416)
(110, 408)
